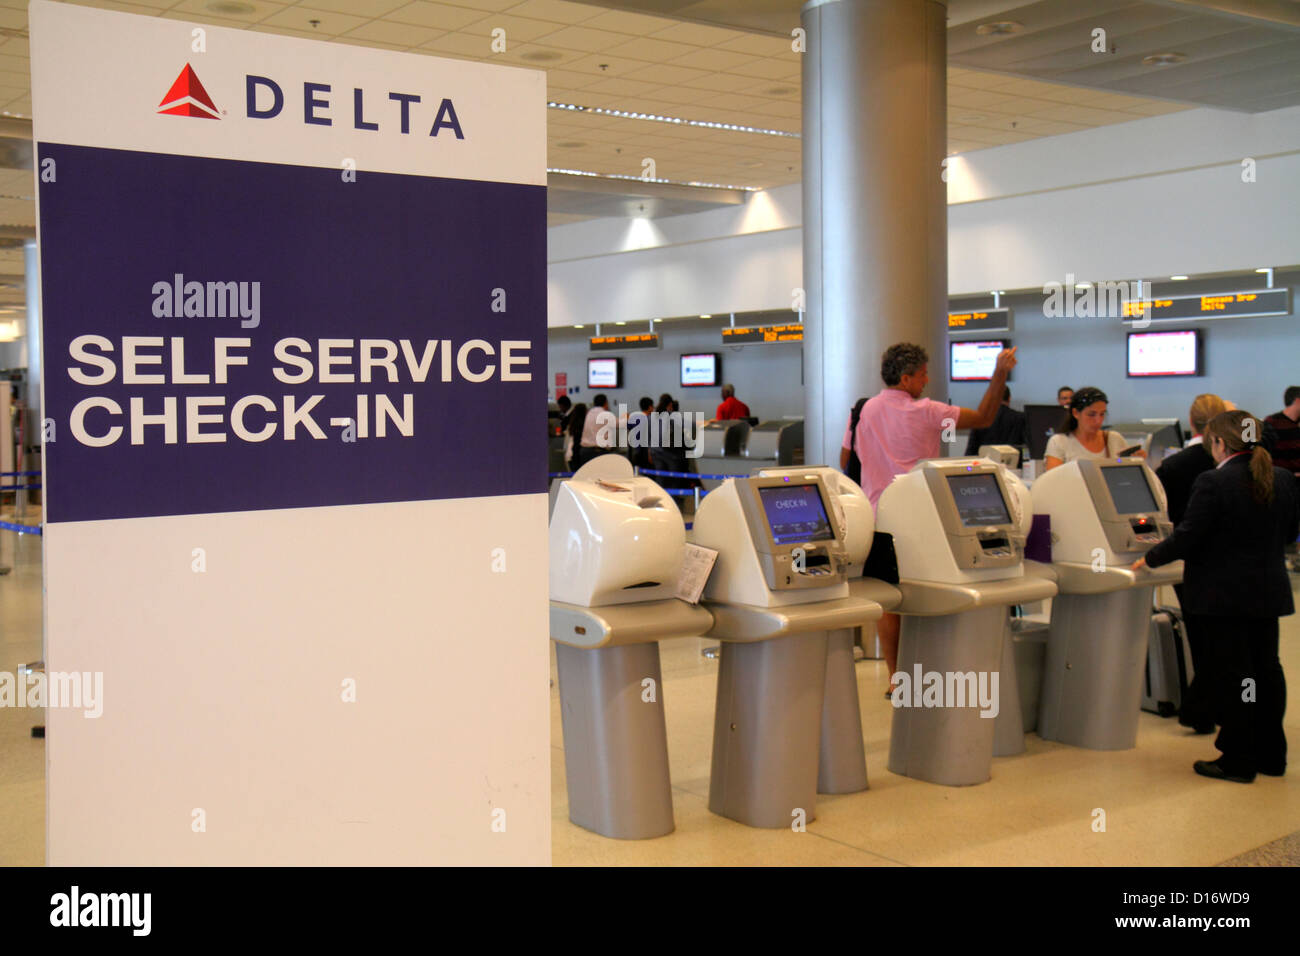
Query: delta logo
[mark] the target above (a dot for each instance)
(187, 97)
(266, 99)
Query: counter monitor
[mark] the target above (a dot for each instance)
(974, 361)
(604, 373)
(699, 370)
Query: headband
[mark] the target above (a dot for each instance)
(1087, 396)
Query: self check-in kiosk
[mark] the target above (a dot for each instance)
(959, 527)
(842, 766)
(616, 548)
(1104, 516)
(779, 585)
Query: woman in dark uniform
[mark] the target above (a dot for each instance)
(1239, 518)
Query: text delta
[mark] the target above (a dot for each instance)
(315, 101)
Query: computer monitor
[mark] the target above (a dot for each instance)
(979, 500)
(1044, 421)
(974, 361)
(1156, 354)
(1129, 491)
(700, 369)
(604, 372)
(796, 513)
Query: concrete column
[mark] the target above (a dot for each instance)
(875, 226)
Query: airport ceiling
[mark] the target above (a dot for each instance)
(729, 63)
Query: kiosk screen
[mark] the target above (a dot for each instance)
(1129, 490)
(796, 513)
(979, 500)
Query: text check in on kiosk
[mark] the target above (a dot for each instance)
(786, 516)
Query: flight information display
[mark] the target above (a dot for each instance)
(610, 343)
(1129, 490)
(1163, 353)
(985, 320)
(795, 513)
(762, 333)
(979, 500)
(1217, 305)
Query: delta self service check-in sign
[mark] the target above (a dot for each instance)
(294, 313)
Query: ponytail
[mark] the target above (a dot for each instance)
(1231, 428)
(1261, 473)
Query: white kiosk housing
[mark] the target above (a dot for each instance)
(959, 527)
(842, 764)
(1104, 516)
(779, 585)
(616, 546)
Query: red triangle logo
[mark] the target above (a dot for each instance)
(187, 97)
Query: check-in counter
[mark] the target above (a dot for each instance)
(1104, 516)
(959, 527)
(723, 450)
(779, 442)
(616, 549)
(779, 586)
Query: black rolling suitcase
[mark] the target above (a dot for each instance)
(1169, 664)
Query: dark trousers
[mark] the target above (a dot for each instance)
(1197, 707)
(1243, 652)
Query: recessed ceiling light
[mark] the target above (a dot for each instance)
(620, 323)
(541, 56)
(1262, 270)
(706, 316)
(999, 28)
(231, 6)
(1178, 278)
(1163, 59)
(1083, 285)
(579, 326)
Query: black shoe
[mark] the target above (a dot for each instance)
(1202, 729)
(1214, 770)
(1274, 771)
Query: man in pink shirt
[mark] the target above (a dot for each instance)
(898, 428)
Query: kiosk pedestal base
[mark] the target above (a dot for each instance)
(1096, 655)
(766, 730)
(615, 743)
(1009, 725)
(842, 764)
(947, 745)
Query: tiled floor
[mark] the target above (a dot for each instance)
(22, 758)
(1037, 809)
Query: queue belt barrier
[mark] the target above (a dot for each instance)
(20, 528)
